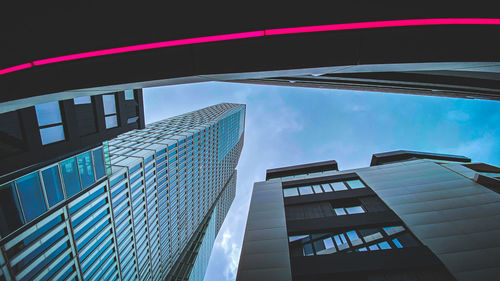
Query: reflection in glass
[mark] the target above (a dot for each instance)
(82, 100)
(287, 192)
(305, 190)
(326, 187)
(337, 186)
(52, 134)
(111, 121)
(354, 210)
(31, 196)
(317, 189)
(99, 163)
(48, 113)
(129, 94)
(86, 169)
(356, 184)
(53, 186)
(10, 212)
(70, 177)
(109, 104)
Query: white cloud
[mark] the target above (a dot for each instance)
(231, 252)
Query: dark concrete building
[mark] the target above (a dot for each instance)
(409, 216)
(36, 136)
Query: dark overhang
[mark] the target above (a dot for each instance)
(323, 166)
(402, 155)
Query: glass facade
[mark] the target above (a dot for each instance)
(123, 211)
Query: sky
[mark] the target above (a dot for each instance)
(292, 125)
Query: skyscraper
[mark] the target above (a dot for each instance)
(409, 216)
(143, 206)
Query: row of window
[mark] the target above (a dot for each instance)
(324, 187)
(357, 240)
(28, 197)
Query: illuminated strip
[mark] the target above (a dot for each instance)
(15, 68)
(267, 32)
(379, 24)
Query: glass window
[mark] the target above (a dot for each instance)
(341, 241)
(99, 163)
(109, 104)
(384, 245)
(356, 184)
(287, 192)
(354, 238)
(373, 247)
(317, 189)
(129, 94)
(53, 186)
(337, 186)
(52, 134)
(304, 190)
(70, 177)
(82, 100)
(354, 210)
(132, 120)
(10, 211)
(86, 169)
(298, 237)
(340, 211)
(396, 242)
(326, 187)
(111, 121)
(48, 113)
(308, 251)
(370, 234)
(31, 196)
(364, 249)
(390, 230)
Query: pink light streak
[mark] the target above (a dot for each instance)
(260, 33)
(15, 68)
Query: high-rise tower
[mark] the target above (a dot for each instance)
(146, 205)
(410, 216)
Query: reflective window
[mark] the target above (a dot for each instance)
(355, 184)
(337, 186)
(393, 229)
(31, 196)
(10, 211)
(317, 189)
(53, 186)
(354, 210)
(70, 176)
(132, 120)
(111, 121)
(48, 113)
(327, 187)
(86, 169)
(82, 100)
(287, 192)
(304, 190)
(340, 211)
(109, 104)
(129, 94)
(52, 134)
(99, 163)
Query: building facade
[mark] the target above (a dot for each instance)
(409, 216)
(128, 209)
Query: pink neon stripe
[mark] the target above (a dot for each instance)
(379, 24)
(267, 32)
(15, 68)
(149, 46)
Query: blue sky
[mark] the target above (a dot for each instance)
(291, 125)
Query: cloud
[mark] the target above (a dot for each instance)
(232, 253)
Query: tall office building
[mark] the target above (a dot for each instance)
(409, 216)
(146, 205)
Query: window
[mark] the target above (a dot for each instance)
(31, 196)
(317, 189)
(349, 210)
(129, 94)
(305, 190)
(86, 169)
(53, 186)
(70, 176)
(337, 186)
(50, 122)
(10, 211)
(110, 115)
(288, 192)
(354, 184)
(82, 100)
(99, 163)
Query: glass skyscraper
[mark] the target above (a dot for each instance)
(146, 205)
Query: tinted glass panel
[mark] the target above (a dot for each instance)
(53, 186)
(304, 190)
(354, 210)
(355, 184)
(10, 211)
(31, 196)
(338, 186)
(82, 100)
(326, 187)
(52, 134)
(99, 163)
(111, 121)
(129, 94)
(109, 104)
(70, 177)
(317, 189)
(48, 113)
(86, 169)
(287, 192)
